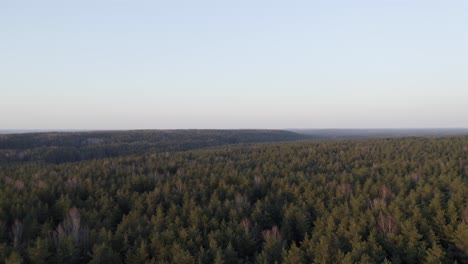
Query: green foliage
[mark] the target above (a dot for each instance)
(67, 251)
(460, 237)
(71, 147)
(364, 201)
(180, 255)
(293, 255)
(14, 258)
(103, 254)
(39, 252)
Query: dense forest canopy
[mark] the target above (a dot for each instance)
(381, 133)
(399, 200)
(57, 147)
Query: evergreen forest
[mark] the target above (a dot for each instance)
(232, 197)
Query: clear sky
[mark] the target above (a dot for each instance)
(105, 64)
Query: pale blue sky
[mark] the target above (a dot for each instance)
(233, 64)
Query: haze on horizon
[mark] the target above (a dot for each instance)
(233, 64)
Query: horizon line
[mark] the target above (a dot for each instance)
(64, 130)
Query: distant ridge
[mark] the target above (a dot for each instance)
(381, 133)
(26, 131)
(59, 147)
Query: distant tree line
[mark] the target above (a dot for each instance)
(77, 146)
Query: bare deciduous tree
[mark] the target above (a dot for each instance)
(386, 224)
(272, 234)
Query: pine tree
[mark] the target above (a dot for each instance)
(104, 254)
(39, 252)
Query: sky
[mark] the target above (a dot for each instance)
(233, 64)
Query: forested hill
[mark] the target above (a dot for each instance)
(380, 133)
(399, 200)
(62, 147)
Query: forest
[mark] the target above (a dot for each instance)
(59, 147)
(232, 197)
